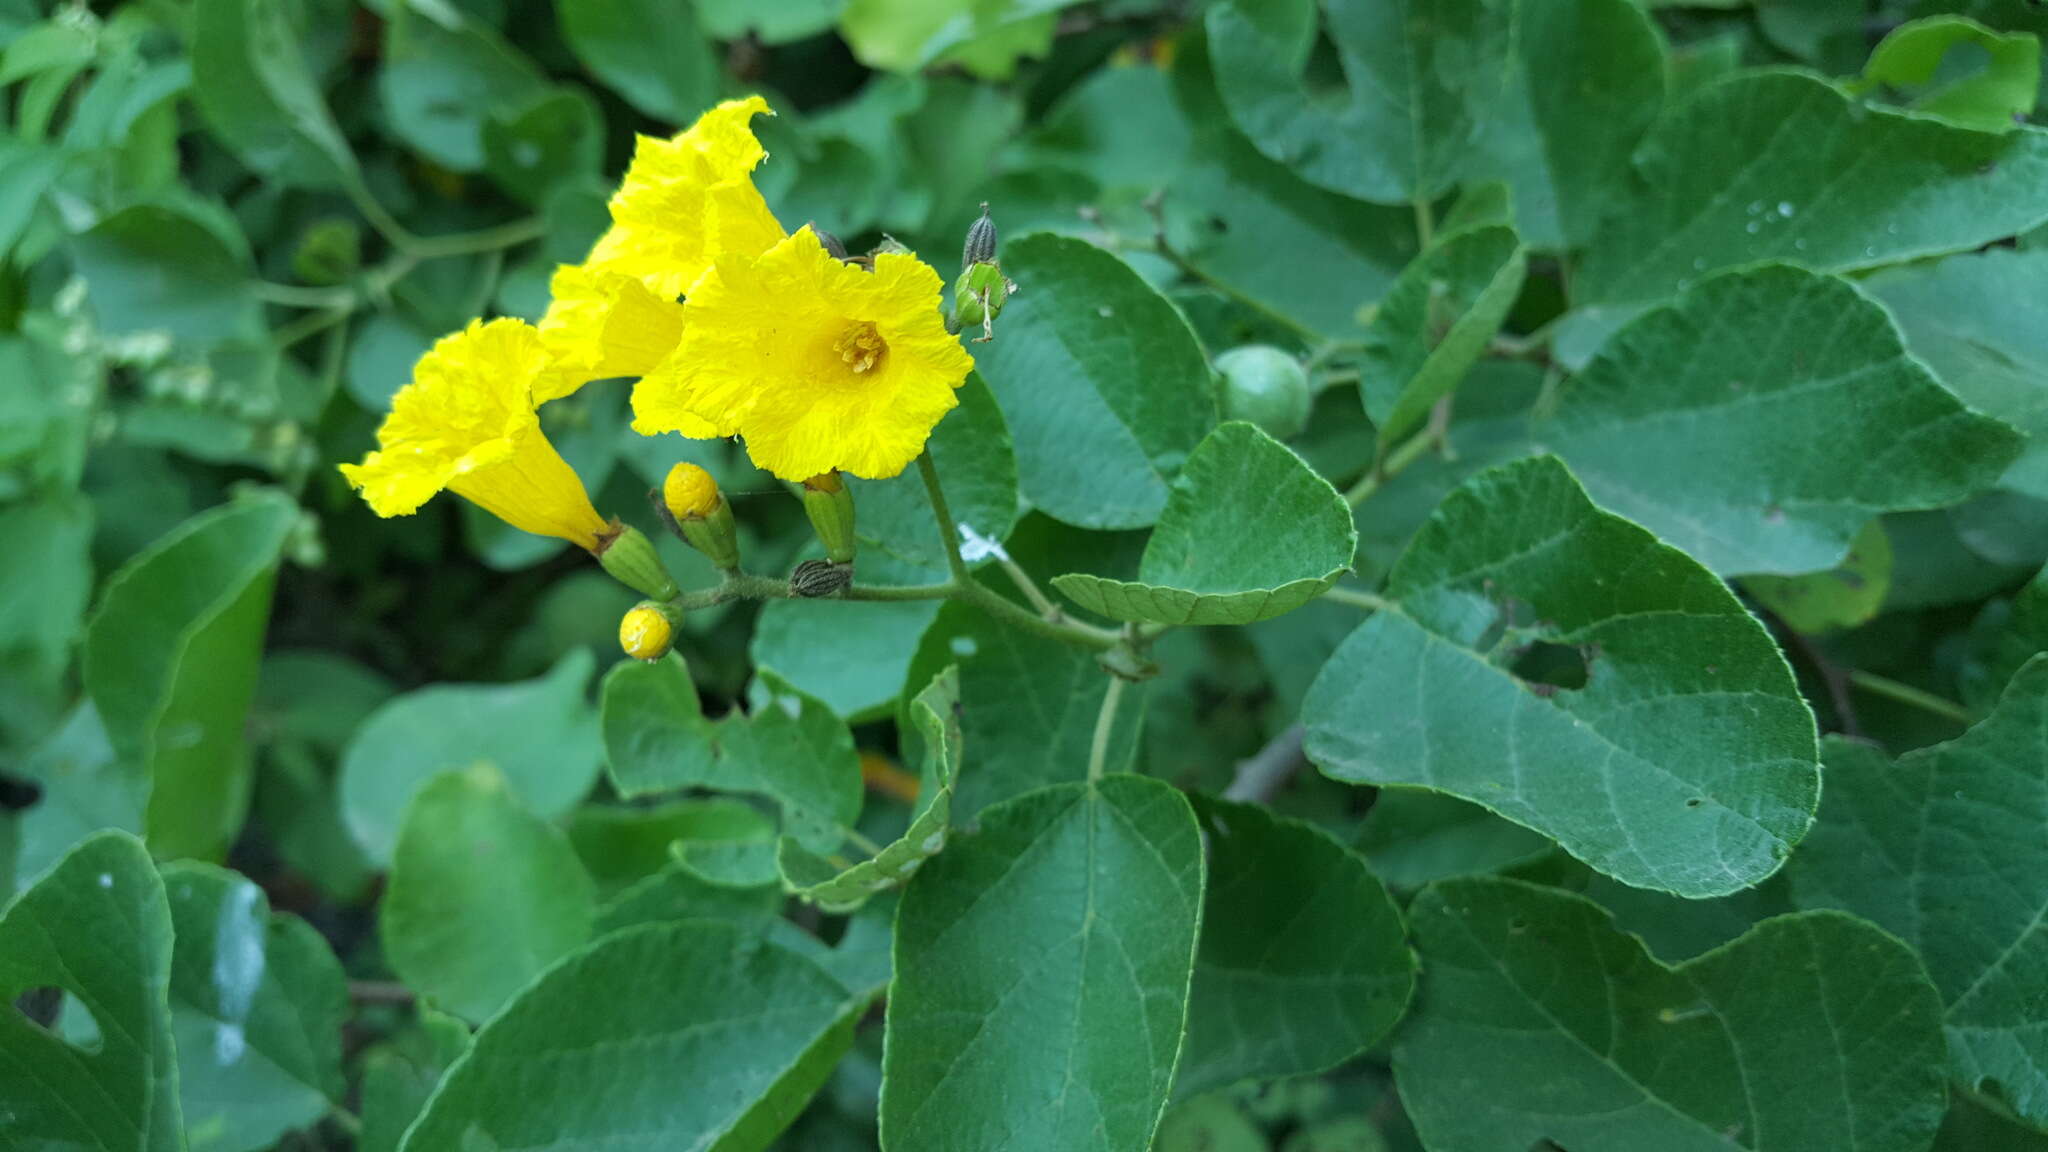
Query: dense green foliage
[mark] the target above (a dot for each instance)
(1486, 590)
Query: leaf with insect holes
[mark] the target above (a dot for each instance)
(1682, 759)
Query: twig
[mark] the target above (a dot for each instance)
(1906, 694)
(1262, 775)
(379, 992)
(1105, 721)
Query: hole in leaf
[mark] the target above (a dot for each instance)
(17, 794)
(1694, 802)
(64, 1016)
(1558, 667)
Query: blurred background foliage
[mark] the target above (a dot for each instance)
(228, 228)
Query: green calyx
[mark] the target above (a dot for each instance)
(830, 506)
(630, 557)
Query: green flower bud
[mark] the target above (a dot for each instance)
(1266, 386)
(830, 506)
(329, 252)
(978, 297)
(981, 241)
(630, 557)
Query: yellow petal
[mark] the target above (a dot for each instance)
(818, 364)
(466, 422)
(604, 324)
(688, 199)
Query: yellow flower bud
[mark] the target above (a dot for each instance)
(690, 492)
(648, 630)
(699, 513)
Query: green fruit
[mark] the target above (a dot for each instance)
(1266, 386)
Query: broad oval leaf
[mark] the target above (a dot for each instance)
(1994, 96)
(253, 86)
(1304, 962)
(1028, 706)
(97, 928)
(1042, 968)
(850, 655)
(1948, 847)
(1249, 532)
(791, 749)
(1763, 418)
(171, 658)
(483, 895)
(257, 1005)
(1785, 166)
(1541, 1019)
(1101, 382)
(692, 1035)
(972, 452)
(836, 888)
(1686, 759)
(649, 52)
(1980, 320)
(1418, 75)
(541, 733)
(1434, 324)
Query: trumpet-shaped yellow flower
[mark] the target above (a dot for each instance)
(602, 324)
(688, 200)
(819, 364)
(467, 423)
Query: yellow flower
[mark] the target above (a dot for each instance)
(603, 324)
(684, 201)
(466, 423)
(688, 200)
(819, 364)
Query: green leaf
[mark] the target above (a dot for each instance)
(401, 1073)
(483, 894)
(1683, 759)
(1042, 969)
(85, 789)
(2004, 640)
(1249, 532)
(1946, 848)
(1540, 1019)
(1435, 323)
(1844, 596)
(679, 892)
(986, 39)
(791, 749)
(972, 452)
(1028, 706)
(850, 654)
(1102, 383)
(1973, 1126)
(1785, 166)
(695, 1034)
(771, 23)
(96, 927)
(651, 53)
(541, 733)
(445, 76)
(1303, 962)
(1417, 78)
(1583, 81)
(622, 845)
(257, 1005)
(555, 139)
(1980, 320)
(1698, 419)
(171, 658)
(252, 84)
(1414, 837)
(1209, 1124)
(1994, 96)
(159, 269)
(45, 586)
(816, 880)
(1254, 228)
